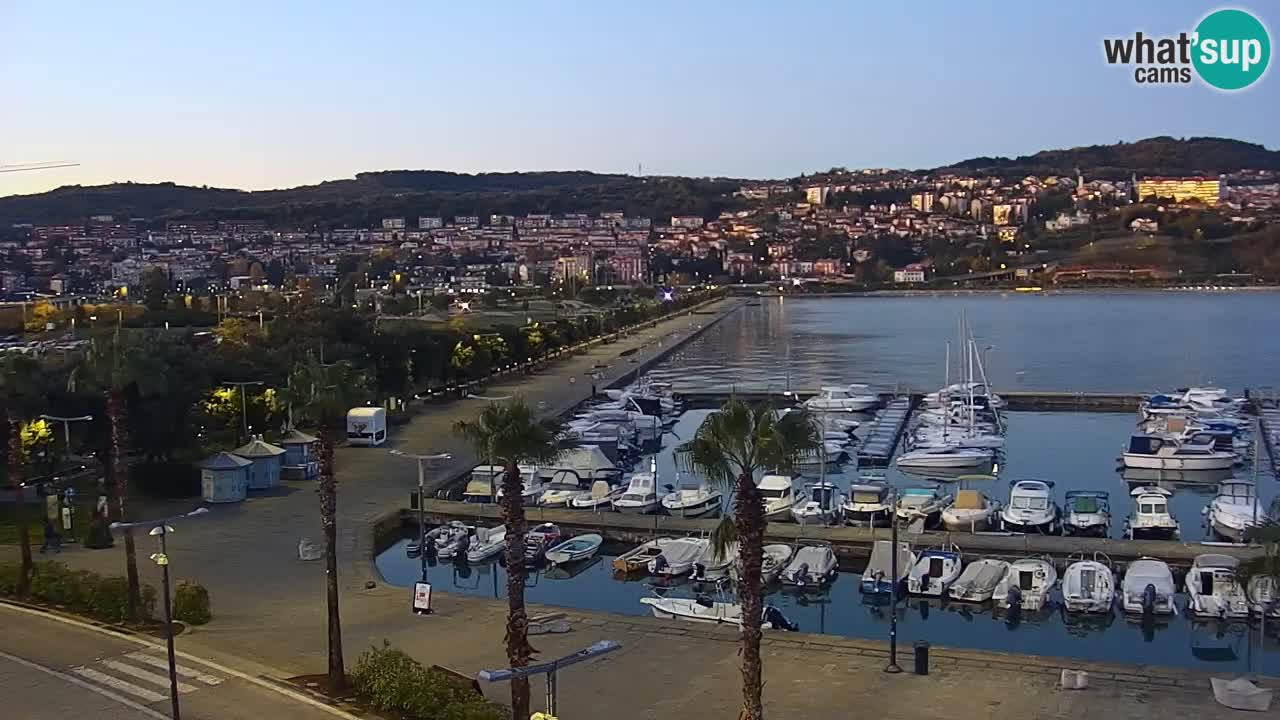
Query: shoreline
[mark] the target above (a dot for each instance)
(925, 292)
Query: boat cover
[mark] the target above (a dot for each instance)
(969, 500)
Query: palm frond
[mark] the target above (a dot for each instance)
(724, 535)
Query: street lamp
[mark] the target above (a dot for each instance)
(66, 426)
(161, 528)
(422, 525)
(892, 667)
(244, 408)
(549, 669)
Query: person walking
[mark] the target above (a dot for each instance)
(52, 540)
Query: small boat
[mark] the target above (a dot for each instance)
(678, 556)
(828, 454)
(779, 496)
(979, 580)
(971, 512)
(564, 487)
(1088, 513)
(576, 549)
(1089, 586)
(868, 504)
(697, 501)
(1151, 519)
(879, 577)
(703, 609)
(1026, 585)
(601, 497)
(640, 497)
(1261, 590)
(850, 398)
(533, 485)
(450, 539)
(935, 570)
(819, 503)
(483, 484)
(924, 504)
(813, 564)
(944, 457)
(538, 540)
(1148, 588)
(712, 565)
(1213, 590)
(1236, 510)
(776, 558)
(1031, 508)
(487, 543)
(1168, 453)
(638, 557)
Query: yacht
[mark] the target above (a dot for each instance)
(971, 512)
(879, 577)
(978, 580)
(1168, 453)
(851, 398)
(1148, 588)
(1087, 513)
(1151, 519)
(1026, 585)
(813, 564)
(678, 556)
(819, 504)
(697, 501)
(935, 570)
(1089, 586)
(868, 504)
(1213, 590)
(920, 503)
(946, 456)
(641, 496)
(1235, 510)
(1031, 508)
(779, 496)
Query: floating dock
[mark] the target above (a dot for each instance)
(1269, 425)
(878, 445)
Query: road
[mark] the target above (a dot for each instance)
(53, 671)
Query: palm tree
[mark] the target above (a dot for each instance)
(320, 395)
(510, 434)
(15, 468)
(729, 448)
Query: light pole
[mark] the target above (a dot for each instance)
(422, 504)
(161, 528)
(66, 426)
(549, 669)
(244, 406)
(892, 667)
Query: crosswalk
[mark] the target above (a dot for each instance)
(143, 675)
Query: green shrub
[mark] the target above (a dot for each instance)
(191, 604)
(391, 681)
(78, 591)
(9, 579)
(99, 535)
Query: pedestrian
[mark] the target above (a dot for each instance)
(52, 540)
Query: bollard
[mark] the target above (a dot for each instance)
(922, 657)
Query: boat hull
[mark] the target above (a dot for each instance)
(702, 509)
(1151, 462)
(1153, 533)
(976, 522)
(1029, 527)
(867, 518)
(638, 509)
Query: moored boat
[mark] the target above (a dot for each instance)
(935, 570)
(1089, 585)
(1026, 585)
(575, 549)
(978, 580)
(972, 511)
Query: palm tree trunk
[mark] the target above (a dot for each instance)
(19, 505)
(749, 517)
(117, 415)
(519, 652)
(329, 519)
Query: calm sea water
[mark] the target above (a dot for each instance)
(1112, 342)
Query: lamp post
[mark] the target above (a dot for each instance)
(422, 525)
(549, 669)
(161, 528)
(892, 667)
(244, 406)
(66, 426)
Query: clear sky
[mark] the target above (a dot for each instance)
(270, 94)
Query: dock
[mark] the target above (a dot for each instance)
(1269, 425)
(852, 545)
(879, 443)
(1016, 400)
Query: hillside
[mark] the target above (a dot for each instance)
(1152, 156)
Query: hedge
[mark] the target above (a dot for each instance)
(191, 604)
(393, 682)
(79, 591)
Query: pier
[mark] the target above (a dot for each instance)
(876, 449)
(1016, 400)
(1269, 428)
(852, 545)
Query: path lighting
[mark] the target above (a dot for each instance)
(549, 669)
(892, 667)
(423, 460)
(66, 426)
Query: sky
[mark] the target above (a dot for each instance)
(269, 94)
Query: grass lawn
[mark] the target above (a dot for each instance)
(35, 523)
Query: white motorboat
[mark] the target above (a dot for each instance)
(1151, 519)
(868, 504)
(978, 580)
(1168, 453)
(972, 511)
(641, 496)
(1089, 586)
(937, 437)
(779, 496)
(450, 539)
(1031, 508)
(638, 557)
(533, 484)
(776, 558)
(699, 500)
(878, 577)
(1236, 510)
(921, 503)
(488, 542)
(600, 497)
(712, 565)
(851, 398)
(1263, 596)
(575, 549)
(538, 540)
(563, 488)
(820, 503)
(945, 457)
(831, 453)
(1026, 585)
(964, 389)
(935, 570)
(703, 609)
(1148, 588)
(1087, 513)
(483, 484)
(1213, 590)
(678, 556)
(813, 564)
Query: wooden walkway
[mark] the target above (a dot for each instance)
(878, 445)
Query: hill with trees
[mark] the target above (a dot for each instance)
(1152, 156)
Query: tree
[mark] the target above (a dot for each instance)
(14, 383)
(509, 434)
(321, 395)
(155, 286)
(728, 449)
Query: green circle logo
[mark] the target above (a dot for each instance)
(1231, 49)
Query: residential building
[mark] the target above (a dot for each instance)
(1207, 190)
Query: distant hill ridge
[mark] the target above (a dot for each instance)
(1152, 156)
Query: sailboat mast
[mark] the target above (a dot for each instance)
(946, 406)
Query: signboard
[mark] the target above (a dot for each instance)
(422, 598)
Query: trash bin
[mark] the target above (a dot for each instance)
(922, 657)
